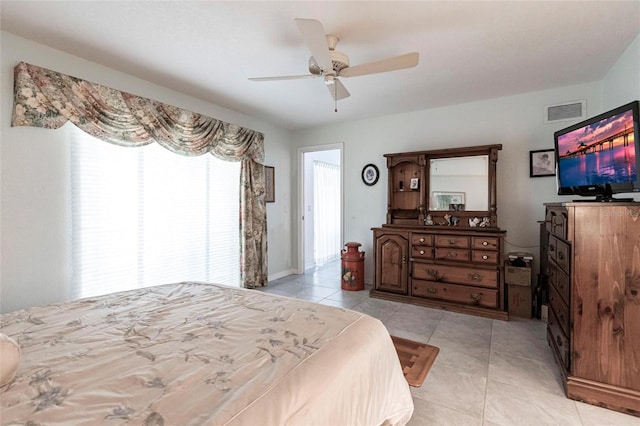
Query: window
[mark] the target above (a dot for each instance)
(147, 216)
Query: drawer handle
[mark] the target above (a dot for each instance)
(559, 340)
(422, 240)
(432, 290)
(452, 254)
(475, 277)
(421, 251)
(485, 257)
(404, 259)
(475, 297)
(452, 242)
(561, 255)
(434, 274)
(550, 298)
(485, 243)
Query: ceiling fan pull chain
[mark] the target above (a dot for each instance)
(335, 98)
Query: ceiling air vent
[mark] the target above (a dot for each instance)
(566, 111)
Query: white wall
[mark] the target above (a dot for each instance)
(622, 84)
(34, 170)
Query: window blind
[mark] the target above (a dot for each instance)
(147, 216)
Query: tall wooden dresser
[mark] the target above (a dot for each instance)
(594, 296)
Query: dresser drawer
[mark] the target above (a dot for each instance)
(558, 339)
(556, 221)
(452, 254)
(562, 255)
(421, 239)
(453, 274)
(422, 252)
(455, 293)
(482, 243)
(481, 256)
(560, 280)
(453, 241)
(560, 309)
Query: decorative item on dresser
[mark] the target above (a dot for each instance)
(441, 246)
(594, 296)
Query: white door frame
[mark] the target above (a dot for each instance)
(300, 208)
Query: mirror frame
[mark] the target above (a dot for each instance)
(489, 217)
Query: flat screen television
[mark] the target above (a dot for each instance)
(600, 156)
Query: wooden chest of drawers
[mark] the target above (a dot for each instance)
(453, 269)
(594, 297)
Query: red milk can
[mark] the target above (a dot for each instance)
(352, 267)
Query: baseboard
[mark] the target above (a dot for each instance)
(604, 395)
(282, 274)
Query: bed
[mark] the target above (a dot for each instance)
(196, 353)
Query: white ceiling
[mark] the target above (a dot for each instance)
(469, 50)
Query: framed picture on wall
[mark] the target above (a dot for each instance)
(270, 184)
(370, 174)
(542, 163)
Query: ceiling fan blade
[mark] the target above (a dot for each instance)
(284, 77)
(316, 39)
(390, 64)
(337, 90)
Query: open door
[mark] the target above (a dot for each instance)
(320, 206)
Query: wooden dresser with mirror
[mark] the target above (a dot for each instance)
(440, 246)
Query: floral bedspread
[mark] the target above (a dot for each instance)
(194, 353)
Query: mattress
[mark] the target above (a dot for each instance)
(195, 353)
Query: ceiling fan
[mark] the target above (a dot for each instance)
(330, 64)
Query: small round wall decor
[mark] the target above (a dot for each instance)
(370, 174)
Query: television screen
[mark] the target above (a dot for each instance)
(599, 156)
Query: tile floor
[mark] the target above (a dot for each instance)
(488, 372)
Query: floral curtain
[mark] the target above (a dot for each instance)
(44, 98)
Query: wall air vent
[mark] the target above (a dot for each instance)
(566, 111)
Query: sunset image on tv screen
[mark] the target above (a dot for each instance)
(599, 153)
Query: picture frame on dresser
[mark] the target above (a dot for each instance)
(443, 200)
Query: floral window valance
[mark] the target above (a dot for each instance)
(48, 99)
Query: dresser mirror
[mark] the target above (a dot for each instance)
(462, 186)
(443, 187)
(459, 183)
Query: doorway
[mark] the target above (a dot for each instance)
(320, 205)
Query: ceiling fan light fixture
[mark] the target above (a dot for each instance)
(327, 62)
